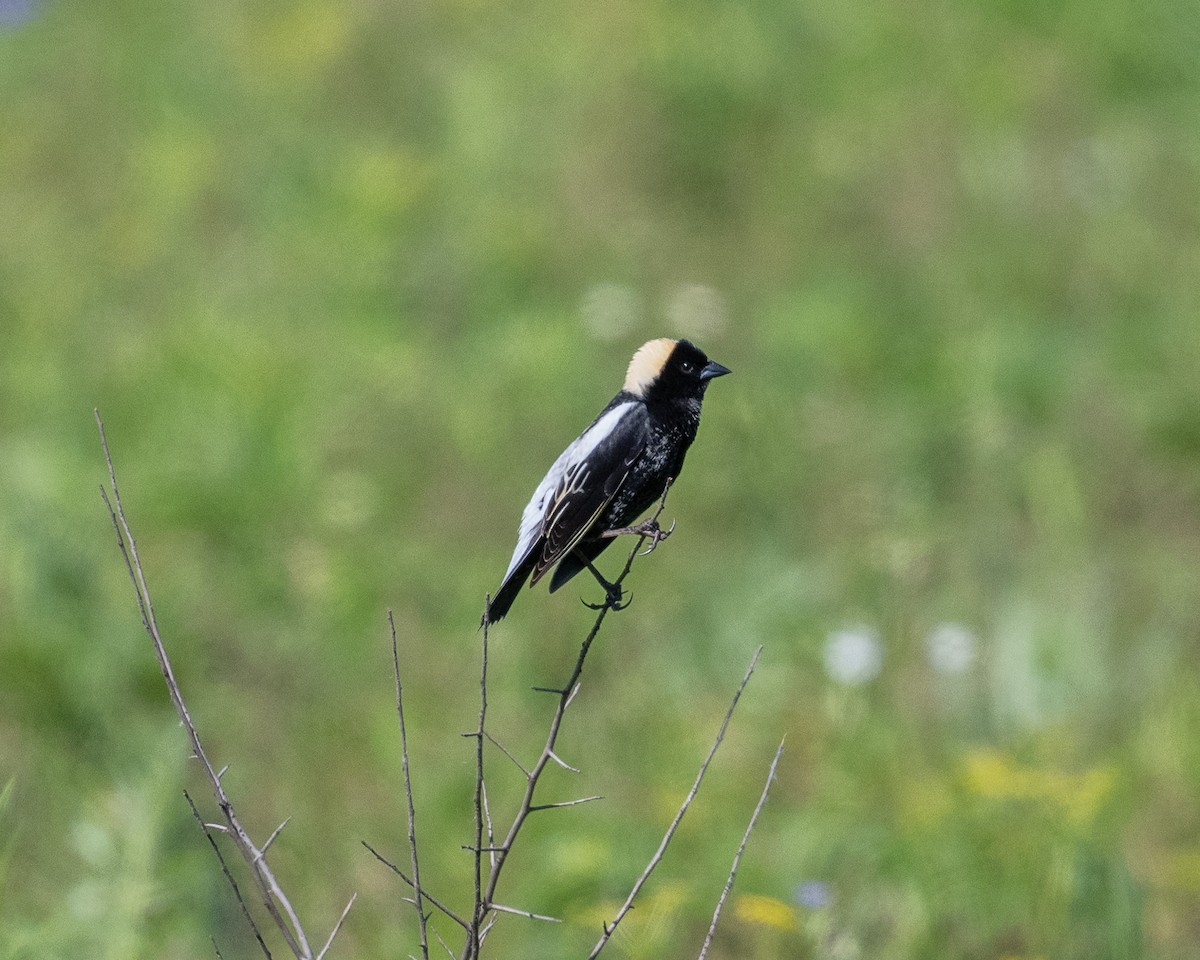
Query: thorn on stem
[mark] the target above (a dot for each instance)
(561, 762)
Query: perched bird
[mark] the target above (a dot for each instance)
(613, 471)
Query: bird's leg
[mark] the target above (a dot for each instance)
(648, 528)
(613, 591)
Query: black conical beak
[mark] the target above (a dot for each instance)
(713, 369)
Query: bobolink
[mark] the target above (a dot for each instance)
(613, 471)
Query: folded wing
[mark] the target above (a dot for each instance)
(574, 493)
(585, 490)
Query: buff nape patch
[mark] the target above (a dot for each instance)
(647, 364)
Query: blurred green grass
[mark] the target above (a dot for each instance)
(343, 280)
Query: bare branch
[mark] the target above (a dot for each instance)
(273, 897)
(425, 893)
(412, 813)
(274, 833)
(478, 910)
(561, 762)
(522, 913)
(737, 858)
(562, 803)
(504, 750)
(228, 876)
(336, 927)
(487, 813)
(566, 695)
(662, 847)
(445, 945)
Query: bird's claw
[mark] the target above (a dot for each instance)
(614, 595)
(656, 535)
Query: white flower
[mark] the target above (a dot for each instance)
(853, 655)
(699, 311)
(610, 310)
(950, 648)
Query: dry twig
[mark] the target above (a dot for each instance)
(485, 910)
(237, 891)
(430, 898)
(278, 906)
(478, 910)
(737, 857)
(566, 695)
(609, 928)
(418, 896)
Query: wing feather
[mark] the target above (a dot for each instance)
(587, 487)
(545, 510)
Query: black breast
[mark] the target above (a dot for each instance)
(669, 435)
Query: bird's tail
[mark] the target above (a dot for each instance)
(508, 592)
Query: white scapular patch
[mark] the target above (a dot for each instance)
(534, 517)
(647, 364)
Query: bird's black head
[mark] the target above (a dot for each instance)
(665, 370)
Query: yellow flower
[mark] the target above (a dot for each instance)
(770, 912)
(1077, 797)
(990, 773)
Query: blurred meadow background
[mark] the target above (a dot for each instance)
(344, 277)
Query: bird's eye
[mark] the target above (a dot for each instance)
(687, 366)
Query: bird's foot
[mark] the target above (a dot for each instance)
(656, 534)
(649, 529)
(614, 597)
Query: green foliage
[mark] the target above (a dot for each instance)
(343, 279)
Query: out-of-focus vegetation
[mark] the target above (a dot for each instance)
(344, 277)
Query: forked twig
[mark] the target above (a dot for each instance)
(485, 910)
(566, 695)
(445, 945)
(523, 913)
(429, 897)
(484, 904)
(478, 909)
(504, 750)
(412, 813)
(336, 927)
(562, 803)
(275, 833)
(609, 928)
(237, 891)
(275, 901)
(737, 857)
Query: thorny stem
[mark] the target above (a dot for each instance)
(237, 891)
(609, 928)
(565, 695)
(479, 911)
(737, 857)
(418, 895)
(274, 899)
(429, 897)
